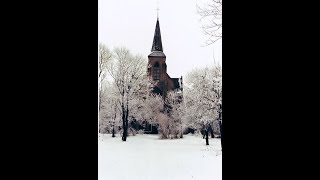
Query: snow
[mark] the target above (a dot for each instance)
(146, 157)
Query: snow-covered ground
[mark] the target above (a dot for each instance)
(146, 157)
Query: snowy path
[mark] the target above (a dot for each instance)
(145, 157)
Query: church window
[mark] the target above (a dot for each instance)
(156, 71)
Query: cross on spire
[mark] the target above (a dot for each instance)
(158, 13)
(158, 9)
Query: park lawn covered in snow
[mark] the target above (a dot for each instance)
(146, 157)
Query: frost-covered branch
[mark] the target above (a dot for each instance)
(211, 17)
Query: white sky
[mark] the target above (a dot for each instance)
(131, 23)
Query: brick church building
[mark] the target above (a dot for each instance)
(157, 67)
(157, 71)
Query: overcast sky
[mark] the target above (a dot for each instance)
(131, 23)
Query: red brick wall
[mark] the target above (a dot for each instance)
(164, 77)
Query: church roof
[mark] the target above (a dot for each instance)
(157, 54)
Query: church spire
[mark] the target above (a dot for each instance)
(157, 44)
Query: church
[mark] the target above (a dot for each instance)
(157, 67)
(157, 71)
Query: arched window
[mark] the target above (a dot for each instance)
(156, 71)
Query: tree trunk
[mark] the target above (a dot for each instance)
(211, 131)
(181, 132)
(125, 113)
(113, 132)
(126, 121)
(114, 119)
(220, 127)
(124, 135)
(207, 137)
(125, 132)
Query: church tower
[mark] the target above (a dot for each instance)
(157, 67)
(157, 71)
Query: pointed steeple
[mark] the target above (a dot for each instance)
(157, 44)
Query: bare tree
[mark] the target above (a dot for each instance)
(211, 17)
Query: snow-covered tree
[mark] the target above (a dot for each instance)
(175, 111)
(144, 105)
(105, 56)
(147, 108)
(129, 77)
(110, 111)
(203, 98)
